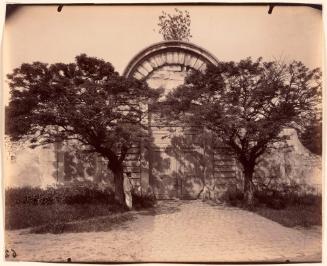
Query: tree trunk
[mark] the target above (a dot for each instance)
(119, 184)
(248, 187)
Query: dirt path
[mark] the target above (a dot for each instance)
(188, 231)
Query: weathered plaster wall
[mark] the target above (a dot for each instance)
(179, 162)
(52, 165)
(292, 163)
(27, 167)
(167, 77)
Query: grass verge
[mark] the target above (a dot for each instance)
(294, 215)
(70, 208)
(103, 224)
(29, 215)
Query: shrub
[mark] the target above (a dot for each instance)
(233, 196)
(294, 215)
(143, 201)
(270, 198)
(275, 197)
(24, 195)
(77, 194)
(54, 207)
(69, 194)
(276, 203)
(279, 199)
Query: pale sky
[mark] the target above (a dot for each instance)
(117, 33)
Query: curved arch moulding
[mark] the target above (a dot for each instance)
(156, 56)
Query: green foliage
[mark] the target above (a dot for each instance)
(285, 204)
(143, 201)
(85, 101)
(73, 193)
(247, 104)
(311, 136)
(175, 26)
(233, 196)
(293, 215)
(282, 195)
(65, 209)
(69, 194)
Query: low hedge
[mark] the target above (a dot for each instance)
(70, 194)
(143, 201)
(273, 199)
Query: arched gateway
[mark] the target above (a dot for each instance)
(176, 163)
(180, 160)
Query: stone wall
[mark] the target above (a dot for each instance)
(180, 162)
(291, 163)
(52, 165)
(30, 167)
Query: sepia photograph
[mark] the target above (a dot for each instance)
(162, 133)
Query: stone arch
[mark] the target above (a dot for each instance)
(175, 159)
(156, 56)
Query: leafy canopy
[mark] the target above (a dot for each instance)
(311, 136)
(248, 104)
(175, 26)
(86, 101)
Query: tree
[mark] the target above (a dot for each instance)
(175, 26)
(247, 105)
(311, 136)
(86, 101)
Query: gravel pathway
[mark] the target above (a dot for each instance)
(178, 231)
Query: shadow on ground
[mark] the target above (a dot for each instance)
(108, 222)
(96, 224)
(163, 207)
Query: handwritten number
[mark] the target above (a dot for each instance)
(13, 253)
